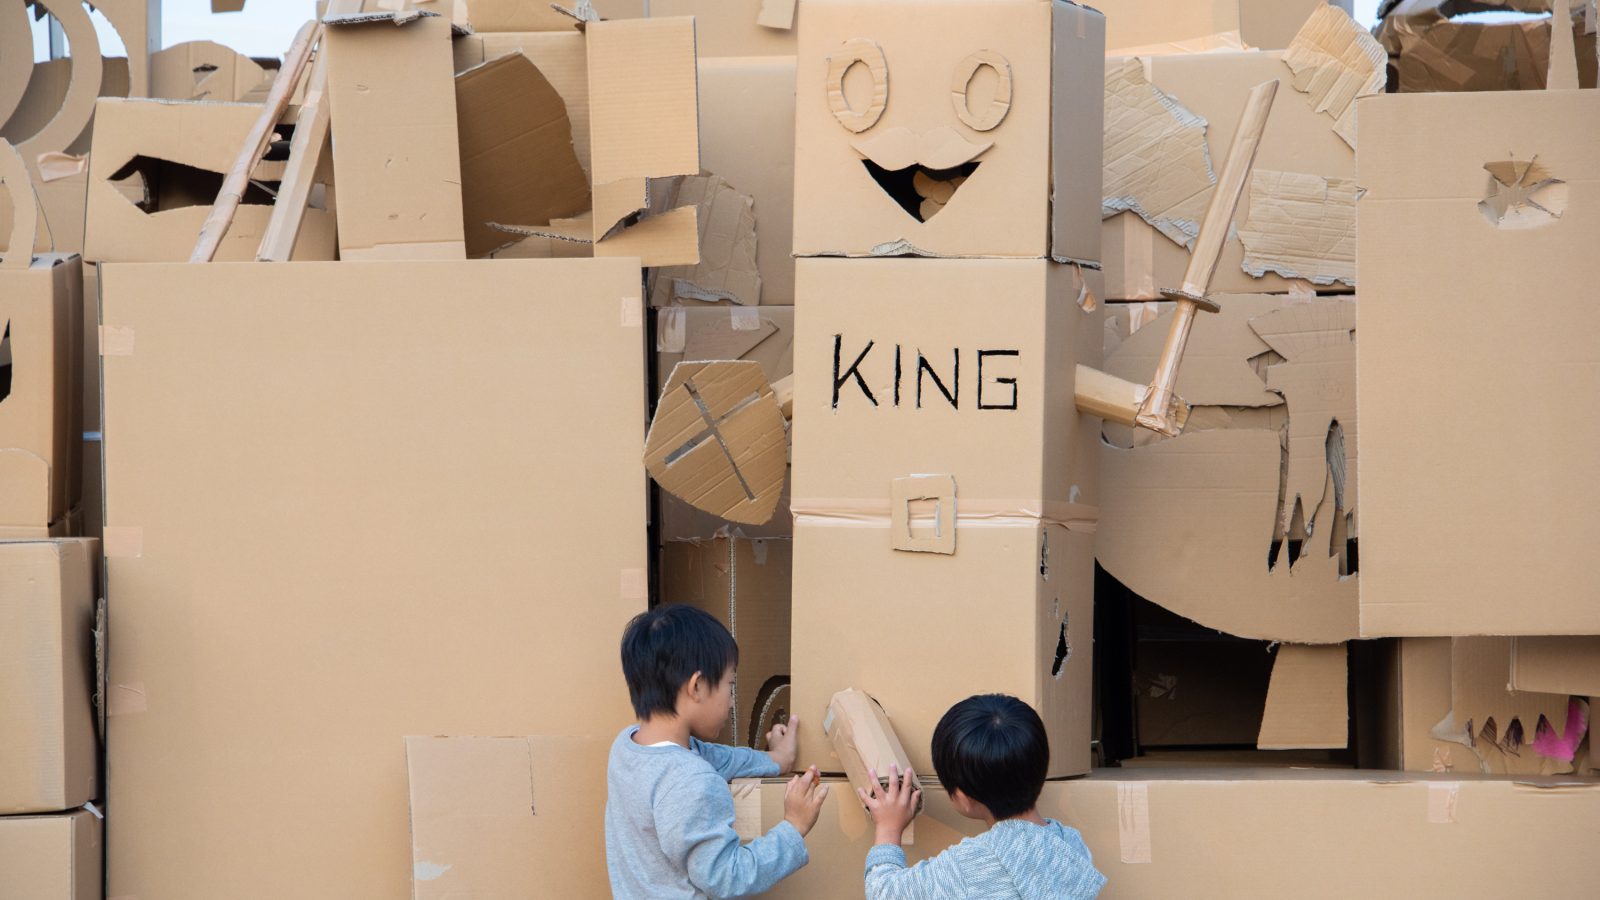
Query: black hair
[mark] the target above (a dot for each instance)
(993, 748)
(663, 648)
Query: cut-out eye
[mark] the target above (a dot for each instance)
(981, 90)
(859, 109)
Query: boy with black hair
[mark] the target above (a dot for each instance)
(991, 754)
(669, 815)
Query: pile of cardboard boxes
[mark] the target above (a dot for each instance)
(314, 557)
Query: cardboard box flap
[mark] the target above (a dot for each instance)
(1158, 164)
(718, 441)
(517, 159)
(1556, 665)
(506, 816)
(1527, 733)
(1300, 226)
(669, 239)
(1335, 63)
(727, 246)
(1307, 699)
(1077, 60)
(864, 739)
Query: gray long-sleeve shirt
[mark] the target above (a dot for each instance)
(1014, 860)
(669, 823)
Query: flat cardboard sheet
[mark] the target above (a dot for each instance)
(1032, 193)
(1556, 665)
(1460, 511)
(864, 742)
(407, 404)
(52, 856)
(507, 816)
(49, 752)
(727, 270)
(206, 70)
(732, 28)
(1307, 699)
(562, 58)
(41, 336)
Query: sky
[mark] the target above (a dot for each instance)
(266, 27)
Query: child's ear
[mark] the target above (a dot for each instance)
(696, 686)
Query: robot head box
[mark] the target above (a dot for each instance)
(960, 128)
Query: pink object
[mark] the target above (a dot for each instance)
(1564, 747)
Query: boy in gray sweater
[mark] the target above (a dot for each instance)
(991, 755)
(669, 815)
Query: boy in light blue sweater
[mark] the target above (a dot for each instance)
(669, 815)
(991, 755)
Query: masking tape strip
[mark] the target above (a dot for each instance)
(1077, 517)
(123, 542)
(115, 341)
(126, 699)
(633, 584)
(1133, 821)
(671, 329)
(1442, 796)
(744, 318)
(746, 808)
(632, 312)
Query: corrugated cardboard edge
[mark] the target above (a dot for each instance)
(1157, 161)
(728, 241)
(1335, 63)
(713, 446)
(1300, 226)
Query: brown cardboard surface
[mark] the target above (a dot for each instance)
(1258, 833)
(49, 753)
(41, 308)
(1152, 164)
(400, 402)
(740, 98)
(517, 162)
(1307, 700)
(643, 105)
(1458, 509)
(1136, 23)
(1499, 725)
(1431, 52)
(1018, 597)
(1031, 194)
(395, 150)
(525, 16)
(718, 440)
(507, 816)
(52, 857)
(727, 270)
(562, 58)
(864, 742)
(984, 389)
(1258, 442)
(204, 70)
(1197, 693)
(165, 141)
(731, 28)
(1422, 689)
(1273, 24)
(1556, 665)
(745, 584)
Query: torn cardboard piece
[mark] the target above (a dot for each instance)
(1507, 730)
(1335, 63)
(1300, 226)
(1556, 665)
(728, 268)
(1157, 163)
(506, 816)
(517, 158)
(1431, 51)
(865, 743)
(718, 440)
(204, 70)
(1307, 699)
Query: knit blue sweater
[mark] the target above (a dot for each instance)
(1014, 860)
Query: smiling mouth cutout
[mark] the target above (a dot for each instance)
(920, 172)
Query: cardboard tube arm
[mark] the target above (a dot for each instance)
(1115, 400)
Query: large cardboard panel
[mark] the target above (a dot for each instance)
(155, 174)
(1255, 833)
(1141, 23)
(507, 816)
(52, 857)
(40, 347)
(922, 105)
(1010, 612)
(735, 28)
(562, 58)
(1460, 510)
(395, 150)
(745, 584)
(950, 367)
(301, 577)
(1295, 214)
(49, 756)
(1556, 665)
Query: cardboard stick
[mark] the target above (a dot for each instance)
(233, 187)
(1111, 398)
(305, 154)
(1155, 412)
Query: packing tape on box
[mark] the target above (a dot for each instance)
(122, 542)
(632, 312)
(1442, 796)
(1075, 517)
(634, 584)
(116, 341)
(126, 699)
(744, 318)
(1133, 821)
(672, 325)
(746, 808)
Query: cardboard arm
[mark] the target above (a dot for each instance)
(1111, 398)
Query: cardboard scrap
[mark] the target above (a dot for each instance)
(1335, 63)
(727, 269)
(864, 739)
(1157, 162)
(1307, 699)
(1300, 226)
(1556, 665)
(1499, 725)
(517, 158)
(205, 70)
(718, 440)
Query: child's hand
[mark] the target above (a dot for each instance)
(893, 807)
(782, 744)
(802, 800)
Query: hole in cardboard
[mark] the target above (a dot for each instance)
(921, 192)
(165, 185)
(924, 518)
(857, 87)
(1522, 194)
(5, 364)
(1063, 651)
(1044, 557)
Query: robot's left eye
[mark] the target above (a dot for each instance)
(981, 90)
